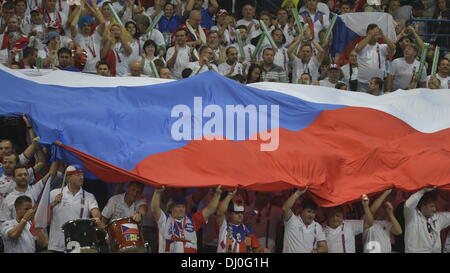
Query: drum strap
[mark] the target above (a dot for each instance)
(92, 50)
(82, 205)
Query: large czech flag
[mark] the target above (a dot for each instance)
(350, 28)
(209, 130)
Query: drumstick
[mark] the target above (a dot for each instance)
(63, 183)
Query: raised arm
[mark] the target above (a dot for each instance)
(287, 206)
(223, 206)
(73, 19)
(396, 228)
(213, 6)
(362, 44)
(293, 47)
(155, 203)
(413, 201)
(98, 17)
(377, 204)
(212, 206)
(41, 162)
(368, 216)
(30, 150)
(189, 7)
(15, 232)
(416, 36)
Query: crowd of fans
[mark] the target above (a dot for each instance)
(176, 39)
(209, 220)
(195, 36)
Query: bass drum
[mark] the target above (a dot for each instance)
(125, 236)
(80, 236)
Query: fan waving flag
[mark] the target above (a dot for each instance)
(209, 130)
(42, 216)
(350, 28)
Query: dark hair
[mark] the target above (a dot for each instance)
(181, 29)
(264, 12)
(8, 5)
(203, 49)
(18, 166)
(136, 35)
(348, 3)
(238, 78)
(213, 32)
(99, 63)
(159, 63)
(250, 71)
(370, 27)
(139, 184)
(228, 49)
(64, 50)
(10, 154)
(281, 10)
(309, 75)
(306, 44)
(282, 33)
(268, 48)
(242, 27)
(428, 197)
(339, 85)
(168, 3)
(21, 200)
(29, 51)
(308, 203)
(379, 82)
(186, 73)
(418, 5)
(149, 43)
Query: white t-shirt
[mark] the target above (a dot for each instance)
(326, 82)
(447, 245)
(372, 62)
(7, 184)
(403, 73)
(173, 232)
(92, 45)
(122, 60)
(68, 209)
(195, 65)
(346, 71)
(24, 244)
(117, 208)
(183, 58)
(156, 36)
(147, 69)
(342, 238)
(312, 67)
(253, 32)
(380, 234)
(445, 82)
(7, 209)
(318, 26)
(248, 51)
(225, 68)
(299, 238)
(417, 237)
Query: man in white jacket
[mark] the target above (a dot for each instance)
(423, 224)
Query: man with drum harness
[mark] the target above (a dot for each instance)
(129, 204)
(178, 230)
(69, 205)
(126, 212)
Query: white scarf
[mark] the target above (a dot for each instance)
(200, 31)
